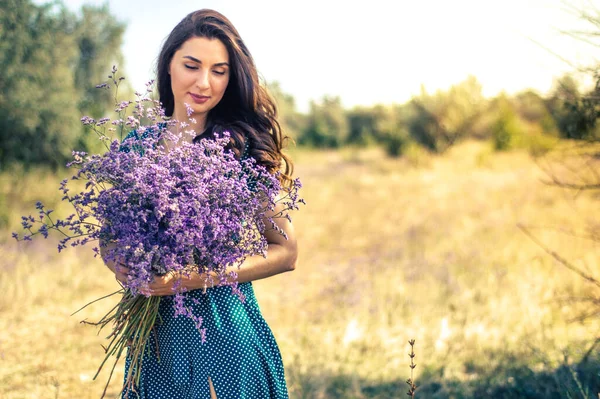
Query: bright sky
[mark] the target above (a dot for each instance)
(376, 51)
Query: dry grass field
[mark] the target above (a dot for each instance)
(424, 247)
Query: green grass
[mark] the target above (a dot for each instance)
(419, 247)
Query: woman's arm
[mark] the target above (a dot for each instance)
(281, 257)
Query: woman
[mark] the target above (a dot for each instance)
(204, 65)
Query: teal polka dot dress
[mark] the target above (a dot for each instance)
(240, 354)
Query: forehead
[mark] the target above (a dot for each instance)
(211, 51)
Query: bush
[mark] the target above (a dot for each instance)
(327, 125)
(391, 129)
(506, 130)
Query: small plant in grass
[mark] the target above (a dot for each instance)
(411, 382)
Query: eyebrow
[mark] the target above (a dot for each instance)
(200, 62)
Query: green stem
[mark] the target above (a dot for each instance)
(104, 297)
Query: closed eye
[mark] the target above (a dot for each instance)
(190, 66)
(219, 73)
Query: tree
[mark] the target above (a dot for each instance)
(99, 37)
(443, 118)
(51, 62)
(39, 101)
(291, 121)
(327, 125)
(574, 113)
(507, 132)
(392, 130)
(362, 123)
(577, 168)
(533, 109)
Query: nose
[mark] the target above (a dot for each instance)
(202, 80)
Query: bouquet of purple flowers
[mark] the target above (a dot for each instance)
(160, 204)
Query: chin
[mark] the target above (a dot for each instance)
(198, 109)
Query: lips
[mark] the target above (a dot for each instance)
(199, 99)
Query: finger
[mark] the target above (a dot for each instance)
(121, 277)
(155, 283)
(161, 289)
(122, 268)
(160, 281)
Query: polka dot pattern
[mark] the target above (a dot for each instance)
(240, 354)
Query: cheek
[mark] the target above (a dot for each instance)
(181, 78)
(173, 75)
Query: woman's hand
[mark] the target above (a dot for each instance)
(166, 284)
(112, 264)
(121, 273)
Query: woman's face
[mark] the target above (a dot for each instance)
(199, 76)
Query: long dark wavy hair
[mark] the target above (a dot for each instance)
(246, 109)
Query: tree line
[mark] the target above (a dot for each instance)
(436, 121)
(52, 59)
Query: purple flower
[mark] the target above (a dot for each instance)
(86, 120)
(194, 206)
(102, 121)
